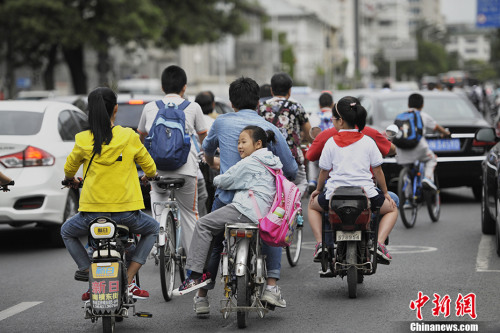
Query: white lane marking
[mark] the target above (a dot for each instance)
(484, 253)
(17, 309)
(400, 249)
(393, 248)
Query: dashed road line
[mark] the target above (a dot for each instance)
(17, 309)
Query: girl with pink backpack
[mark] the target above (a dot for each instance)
(249, 175)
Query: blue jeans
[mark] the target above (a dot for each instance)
(137, 222)
(273, 254)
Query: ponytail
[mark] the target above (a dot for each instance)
(102, 102)
(257, 133)
(353, 113)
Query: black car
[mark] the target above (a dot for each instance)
(490, 188)
(459, 157)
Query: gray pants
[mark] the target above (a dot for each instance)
(206, 228)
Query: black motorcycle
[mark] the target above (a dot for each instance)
(349, 237)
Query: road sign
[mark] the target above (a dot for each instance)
(488, 14)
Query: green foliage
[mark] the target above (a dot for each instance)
(495, 51)
(194, 21)
(432, 60)
(481, 70)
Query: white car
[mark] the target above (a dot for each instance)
(35, 139)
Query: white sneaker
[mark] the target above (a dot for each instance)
(154, 251)
(273, 297)
(201, 305)
(429, 184)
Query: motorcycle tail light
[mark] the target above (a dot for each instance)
(30, 157)
(241, 233)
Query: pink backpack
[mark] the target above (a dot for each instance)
(278, 225)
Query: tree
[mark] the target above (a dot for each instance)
(34, 30)
(194, 21)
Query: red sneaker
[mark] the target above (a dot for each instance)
(137, 292)
(86, 296)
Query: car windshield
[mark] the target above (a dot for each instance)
(20, 122)
(128, 115)
(440, 108)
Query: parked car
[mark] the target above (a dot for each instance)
(490, 185)
(35, 139)
(459, 157)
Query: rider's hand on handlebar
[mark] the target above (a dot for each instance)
(72, 182)
(145, 179)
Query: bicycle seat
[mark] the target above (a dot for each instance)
(167, 183)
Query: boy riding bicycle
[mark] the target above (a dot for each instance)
(422, 151)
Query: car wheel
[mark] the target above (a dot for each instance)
(477, 191)
(497, 236)
(70, 209)
(487, 222)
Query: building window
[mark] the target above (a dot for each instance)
(385, 23)
(470, 51)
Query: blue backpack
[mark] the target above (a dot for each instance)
(410, 129)
(167, 142)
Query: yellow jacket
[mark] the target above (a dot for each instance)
(112, 182)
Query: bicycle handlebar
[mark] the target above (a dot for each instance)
(5, 187)
(69, 183)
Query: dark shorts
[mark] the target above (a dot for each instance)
(376, 202)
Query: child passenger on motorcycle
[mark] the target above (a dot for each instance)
(346, 160)
(248, 174)
(111, 186)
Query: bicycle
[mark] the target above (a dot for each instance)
(293, 251)
(412, 194)
(169, 254)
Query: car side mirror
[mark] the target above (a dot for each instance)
(486, 135)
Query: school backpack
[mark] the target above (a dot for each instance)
(168, 143)
(278, 225)
(410, 129)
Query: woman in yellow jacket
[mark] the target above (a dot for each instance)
(111, 186)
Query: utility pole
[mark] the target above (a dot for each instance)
(356, 37)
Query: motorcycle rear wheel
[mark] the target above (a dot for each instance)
(108, 324)
(243, 298)
(352, 272)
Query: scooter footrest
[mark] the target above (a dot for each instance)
(144, 314)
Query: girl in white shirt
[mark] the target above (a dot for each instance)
(346, 161)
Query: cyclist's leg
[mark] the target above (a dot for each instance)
(430, 161)
(202, 195)
(74, 228)
(389, 216)
(143, 224)
(208, 226)
(301, 179)
(217, 248)
(273, 262)
(187, 199)
(315, 215)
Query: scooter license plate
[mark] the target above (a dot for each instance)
(348, 236)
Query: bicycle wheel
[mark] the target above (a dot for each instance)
(293, 251)
(433, 201)
(108, 324)
(167, 259)
(352, 272)
(407, 205)
(243, 297)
